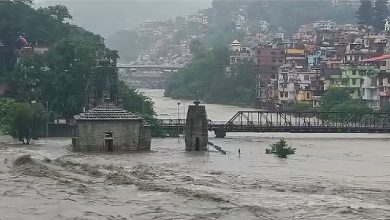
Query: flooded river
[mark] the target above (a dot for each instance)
(332, 176)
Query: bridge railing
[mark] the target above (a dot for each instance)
(172, 122)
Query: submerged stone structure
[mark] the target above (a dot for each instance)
(196, 133)
(108, 127)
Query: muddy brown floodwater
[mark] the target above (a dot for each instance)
(332, 176)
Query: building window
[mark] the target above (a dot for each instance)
(353, 81)
(273, 61)
(272, 52)
(281, 94)
(258, 60)
(258, 52)
(307, 95)
(285, 94)
(280, 61)
(353, 72)
(306, 77)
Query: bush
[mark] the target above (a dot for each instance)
(301, 107)
(26, 122)
(281, 149)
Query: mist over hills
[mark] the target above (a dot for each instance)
(107, 17)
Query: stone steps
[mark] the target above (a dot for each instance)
(218, 148)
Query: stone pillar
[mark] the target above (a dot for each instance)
(220, 133)
(196, 133)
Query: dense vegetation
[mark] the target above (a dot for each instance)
(58, 77)
(373, 15)
(206, 79)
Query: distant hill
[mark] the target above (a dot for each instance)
(107, 17)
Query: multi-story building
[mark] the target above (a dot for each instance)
(239, 54)
(376, 88)
(297, 84)
(268, 59)
(366, 80)
(350, 78)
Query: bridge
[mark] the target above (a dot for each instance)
(294, 122)
(147, 76)
(149, 67)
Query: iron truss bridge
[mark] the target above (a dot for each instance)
(298, 122)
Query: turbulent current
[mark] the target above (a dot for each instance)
(332, 176)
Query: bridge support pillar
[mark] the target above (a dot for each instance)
(220, 133)
(196, 132)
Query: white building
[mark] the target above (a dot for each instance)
(370, 92)
(387, 24)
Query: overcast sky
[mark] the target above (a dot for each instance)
(107, 16)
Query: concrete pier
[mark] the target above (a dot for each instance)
(196, 133)
(220, 133)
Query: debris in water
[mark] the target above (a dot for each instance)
(218, 148)
(25, 159)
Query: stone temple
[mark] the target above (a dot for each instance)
(108, 127)
(196, 133)
(104, 125)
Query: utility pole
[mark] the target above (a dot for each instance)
(178, 122)
(47, 119)
(184, 109)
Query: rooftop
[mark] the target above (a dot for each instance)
(377, 59)
(107, 111)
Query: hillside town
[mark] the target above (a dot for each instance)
(172, 47)
(295, 69)
(320, 56)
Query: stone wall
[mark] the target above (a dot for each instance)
(126, 135)
(60, 130)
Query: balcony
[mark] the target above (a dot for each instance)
(371, 98)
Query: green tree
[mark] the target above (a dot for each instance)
(26, 122)
(381, 12)
(280, 149)
(385, 108)
(58, 12)
(333, 97)
(6, 107)
(351, 110)
(136, 102)
(301, 107)
(206, 79)
(365, 12)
